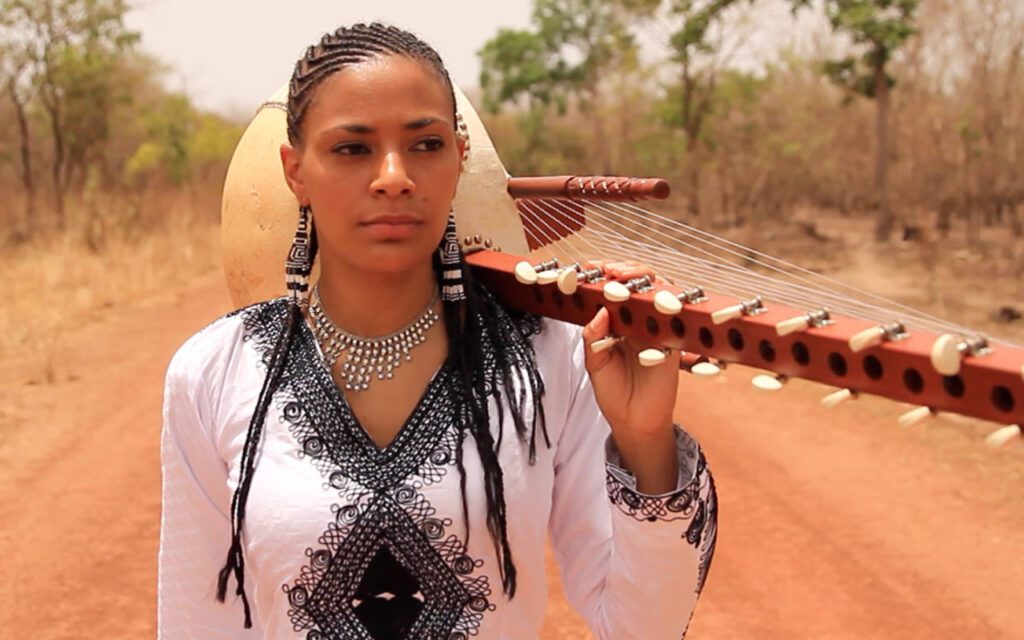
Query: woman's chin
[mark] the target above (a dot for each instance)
(397, 259)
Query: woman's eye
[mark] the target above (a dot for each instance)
(351, 149)
(430, 144)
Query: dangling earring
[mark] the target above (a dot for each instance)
(451, 264)
(299, 264)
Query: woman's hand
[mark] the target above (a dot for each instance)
(637, 401)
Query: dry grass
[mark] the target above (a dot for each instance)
(54, 286)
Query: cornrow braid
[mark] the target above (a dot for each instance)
(469, 325)
(348, 46)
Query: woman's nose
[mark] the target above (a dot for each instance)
(392, 179)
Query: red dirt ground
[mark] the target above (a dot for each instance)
(832, 524)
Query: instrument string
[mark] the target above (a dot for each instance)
(542, 217)
(739, 281)
(865, 309)
(772, 288)
(891, 307)
(694, 269)
(736, 281)
(628, 248)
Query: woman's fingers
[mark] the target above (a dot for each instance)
(625, 269)
(598, 345)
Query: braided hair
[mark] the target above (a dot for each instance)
(470, 324)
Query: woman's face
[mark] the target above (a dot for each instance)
(378, 163)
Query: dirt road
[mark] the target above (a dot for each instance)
(832, 524)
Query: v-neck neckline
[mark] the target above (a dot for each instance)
(349, 416)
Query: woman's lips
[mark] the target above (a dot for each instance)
(391, 227)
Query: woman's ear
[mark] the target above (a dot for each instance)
(461, 145)
(291, 161)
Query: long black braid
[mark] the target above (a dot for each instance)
(472, 325)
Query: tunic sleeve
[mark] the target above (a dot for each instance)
(633, 565)
(195, 529)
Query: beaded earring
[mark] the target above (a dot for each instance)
(299, 264)
(462, 132)
(451, 264)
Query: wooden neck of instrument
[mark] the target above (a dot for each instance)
(988, 387)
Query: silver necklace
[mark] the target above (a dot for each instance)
(367, 357)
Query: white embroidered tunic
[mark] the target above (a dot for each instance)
(346, 540)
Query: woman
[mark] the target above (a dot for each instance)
(403, 487)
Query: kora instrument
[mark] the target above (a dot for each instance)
(716, 302)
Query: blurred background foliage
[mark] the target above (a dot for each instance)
(91, 143)
(906, 112)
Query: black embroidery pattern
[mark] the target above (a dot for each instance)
(386, 566)
(696, 503)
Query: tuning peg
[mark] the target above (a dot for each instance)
(652, 357)
(948, 352)
(818, 318)
(750, 307)
(547, 277)
(670, 303)
(876, 335)
(615, 292)
(620, 292)
(705, 369)
(915, 416)
(837, 398)
(599, 345)
(767, 382)
(1002, 437)
(666, 302)
(526, 273)
(567, 281)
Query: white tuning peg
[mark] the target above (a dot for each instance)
(726, 314)
(670, 303)
(792, 325)
(525, 273)
(948, 351)
(568, 280)
(547, 277)
(705, 369)
(818, 318)
(876, 335)
(1002, 437)
(597, 346)
(915, 416)
(945, 354)
(667, 302)
(766, 382)
(837, 398)
(652, 357)
(620, 292)
(866, 338)
(615, 292)
(750, 307)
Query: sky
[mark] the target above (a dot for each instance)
(231, 55)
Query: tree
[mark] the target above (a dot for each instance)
(699, 61)
(71, 48)
(879, 28)
(573, 46)
(15, 85)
